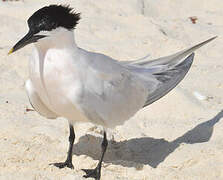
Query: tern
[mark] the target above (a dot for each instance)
(82, 86)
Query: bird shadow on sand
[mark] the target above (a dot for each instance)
(144, 150)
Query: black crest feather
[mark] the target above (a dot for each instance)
(53, 16)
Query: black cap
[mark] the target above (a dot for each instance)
(52, 17)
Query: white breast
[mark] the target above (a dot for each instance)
(84, 86)
(51, 74)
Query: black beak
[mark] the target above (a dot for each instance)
(27, 39)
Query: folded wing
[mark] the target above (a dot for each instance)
(169, 79)
(169, 70)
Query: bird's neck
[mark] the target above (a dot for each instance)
(61, 40)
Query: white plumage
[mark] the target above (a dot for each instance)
(79, 85)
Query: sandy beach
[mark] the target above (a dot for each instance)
(178, 137)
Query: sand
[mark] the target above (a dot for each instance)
(177, 137)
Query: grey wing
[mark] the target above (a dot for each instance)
(169, 70)
(167, 60)
(169, 79)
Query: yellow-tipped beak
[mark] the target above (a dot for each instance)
(11, 51)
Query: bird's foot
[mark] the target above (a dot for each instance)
(93, 173)
(63, 164)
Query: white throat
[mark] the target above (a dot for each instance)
(59, 38)
(57, 43)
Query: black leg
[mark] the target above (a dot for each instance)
(68, 162)
(96, 173)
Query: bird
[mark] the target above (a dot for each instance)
(83, 86)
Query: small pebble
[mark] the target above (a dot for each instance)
(199, 96)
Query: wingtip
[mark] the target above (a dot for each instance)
(191, 56)
(211, 39)
(192, 49)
